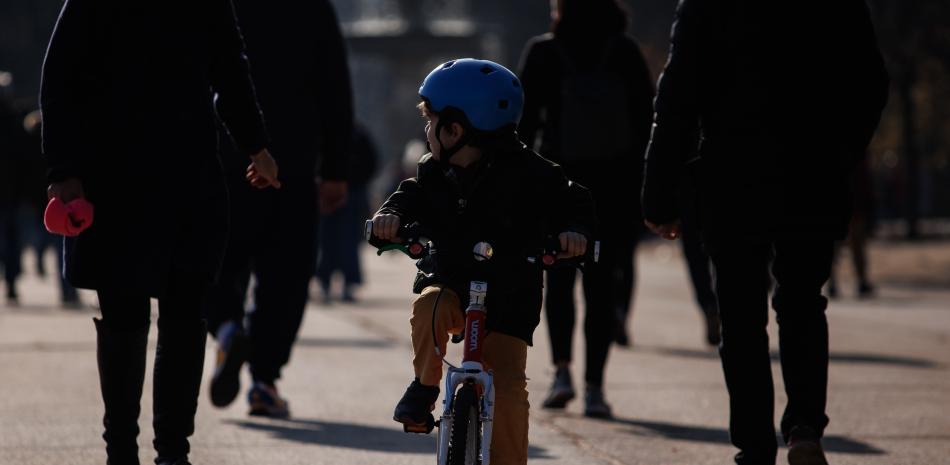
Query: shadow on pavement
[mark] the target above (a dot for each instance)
(720, 436)
(836, 357)
(353, 436)
(347, 343)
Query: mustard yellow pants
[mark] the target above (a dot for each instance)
(505, 355)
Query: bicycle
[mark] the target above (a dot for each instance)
(465, 425)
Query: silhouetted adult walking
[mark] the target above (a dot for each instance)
(302, 82)
(340, 231)
(129, 96)
(787, 97)
(588, 92)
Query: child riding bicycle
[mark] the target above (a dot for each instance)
(480, 184)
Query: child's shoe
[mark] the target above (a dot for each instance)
(562, 390)
(415, 408)
(265, 402)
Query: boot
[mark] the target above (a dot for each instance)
(804, 447)
(121, 359)
(179, 360)
(595, 405)
(562, 390)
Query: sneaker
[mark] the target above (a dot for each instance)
(266, 402)
(595, 406)
(562, 390)
(232, 350)
(804, 448)
(713, 336)
(415, 408)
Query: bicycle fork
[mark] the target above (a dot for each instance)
(471, 371)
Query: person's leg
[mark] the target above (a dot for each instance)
(121, 340)
(559, 307)
(224, 306)
(742, 286)
(801, 269)
(179, 359)
(436, 313)
(440, 307)
(11, 249)
(700, 274)
(69, 295)
(625, 282)
(330, 255)
(857, 241)
(507, 356)
(283, 268)
(598, 327)
(352, 238)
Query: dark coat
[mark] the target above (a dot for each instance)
(512, 201)
(785, 97)
(129, 95)
(616, 179)
(302, 80)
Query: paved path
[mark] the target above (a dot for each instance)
(889, 400)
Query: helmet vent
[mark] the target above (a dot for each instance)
(448, 65)
(515, 83)
(502, 104)
(488, 70)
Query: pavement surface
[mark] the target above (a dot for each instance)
(889, 399)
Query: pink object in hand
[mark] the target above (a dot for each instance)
(68, 219)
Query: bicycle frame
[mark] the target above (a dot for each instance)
(473, 370)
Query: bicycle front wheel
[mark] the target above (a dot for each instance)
(465, 444)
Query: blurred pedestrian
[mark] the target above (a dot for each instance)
(129, 96)
(860, 227)
(11, 161)
(784, 117)
(588, 93)
(34, 177)
(341, 231)
(302, 82)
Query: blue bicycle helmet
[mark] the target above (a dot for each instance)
(487, 93)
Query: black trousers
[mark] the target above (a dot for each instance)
(179, 359)
(700, 272)
(272, 236)
(600, 315)
(800, 269)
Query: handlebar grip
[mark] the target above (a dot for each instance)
(412, 241)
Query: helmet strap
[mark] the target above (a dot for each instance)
(446, 153)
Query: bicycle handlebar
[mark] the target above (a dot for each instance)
(416, 243)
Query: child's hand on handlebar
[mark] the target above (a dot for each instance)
(573, 244)
(386, 227)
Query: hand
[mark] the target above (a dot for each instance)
(669, 231)
(573, 244)
(386, 226)
(262, 172)
(67, 191)
(332, 195)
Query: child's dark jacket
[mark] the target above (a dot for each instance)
(513, 201)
